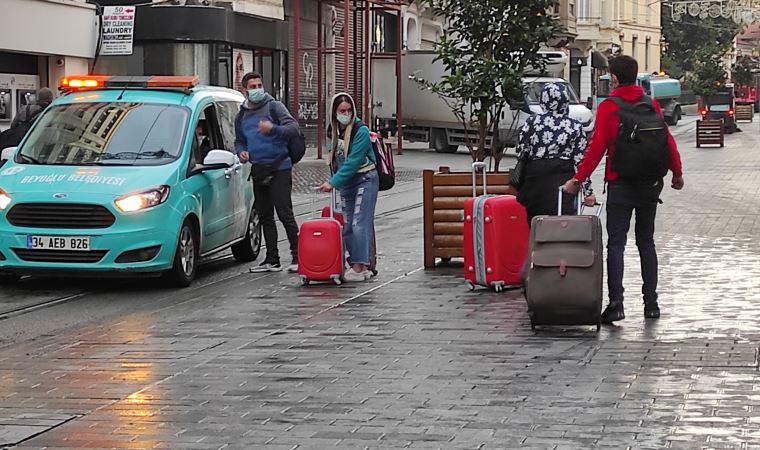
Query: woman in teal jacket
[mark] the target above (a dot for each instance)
(353, 163)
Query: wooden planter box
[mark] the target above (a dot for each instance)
(745, 112)
(444, 195)
(710, 132)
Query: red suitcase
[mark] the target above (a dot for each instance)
(496, 237)
(321, 255)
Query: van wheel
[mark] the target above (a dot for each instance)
(248, 249)
(675, 117)
(440, 143)
(9, 278)
(186, 258)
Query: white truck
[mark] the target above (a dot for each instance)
(427, 117)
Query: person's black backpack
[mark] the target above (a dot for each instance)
(296, 144)
(641, 149)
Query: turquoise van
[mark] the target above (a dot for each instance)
(127, 175)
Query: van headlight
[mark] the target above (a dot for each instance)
(142, 200)
(5, 199)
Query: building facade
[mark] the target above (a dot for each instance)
(611, 27)
(217, 40)
(31, 58)
(339, 46)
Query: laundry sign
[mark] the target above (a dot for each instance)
(118, 28)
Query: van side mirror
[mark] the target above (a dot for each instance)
(7, 153)
(215, 160)
(219, 159)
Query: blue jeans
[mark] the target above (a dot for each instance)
(359, 198)
(623, 201)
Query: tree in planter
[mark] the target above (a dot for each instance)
(709, 75)
(685, 38)
(488, 46)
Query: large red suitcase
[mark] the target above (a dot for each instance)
(496, 236)
(321, 255)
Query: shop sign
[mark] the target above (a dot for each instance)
(118, 30)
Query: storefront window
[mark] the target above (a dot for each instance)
(5, 105)
(214, 64)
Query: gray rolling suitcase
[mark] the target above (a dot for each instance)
(564, 281)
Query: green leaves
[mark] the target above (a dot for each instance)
(742, 71)
(694, 47)
(708, 75)
(487, 47)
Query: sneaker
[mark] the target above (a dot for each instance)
(293, 267)
(266, 267)
(652, 310)
(353, 276)
(613, 312)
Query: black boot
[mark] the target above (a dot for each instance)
(613, 312)
(652, 310)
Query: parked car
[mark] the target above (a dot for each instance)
(720, 106)
(127, 176)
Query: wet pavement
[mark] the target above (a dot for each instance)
(412, 359)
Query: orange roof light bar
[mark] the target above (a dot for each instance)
(83, 82)
(179, 81)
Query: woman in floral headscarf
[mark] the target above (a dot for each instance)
(553, 144)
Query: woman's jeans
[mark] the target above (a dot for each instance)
(359, 198)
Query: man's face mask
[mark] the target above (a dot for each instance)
(256, 95)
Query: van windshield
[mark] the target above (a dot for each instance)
(108, 134)
(535, 88)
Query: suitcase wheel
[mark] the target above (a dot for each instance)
(470, 285)
(498, 287)
(598, 326)
(337, 280)
(304, 281)
(532, 326)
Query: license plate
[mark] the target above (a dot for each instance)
(58, 243)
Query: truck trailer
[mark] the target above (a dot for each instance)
(428, 118)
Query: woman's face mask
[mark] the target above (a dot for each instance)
(256, 95)
(345, 119)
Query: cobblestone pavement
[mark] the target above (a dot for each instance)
(414, 360)
(310, 173)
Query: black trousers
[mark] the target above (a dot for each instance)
(623, 200)
(538, 193)
(277, 197)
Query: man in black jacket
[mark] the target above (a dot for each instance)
(25, 119)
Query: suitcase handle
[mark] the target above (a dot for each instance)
(581, 206)
(333, 202)
(579, 201)
(482, 166)
(598, 211)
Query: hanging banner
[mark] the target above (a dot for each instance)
(118, 29)
(740, 11)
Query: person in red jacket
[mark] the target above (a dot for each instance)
(625, 197)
